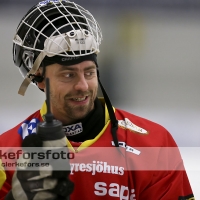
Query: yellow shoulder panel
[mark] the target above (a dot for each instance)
(2, 175)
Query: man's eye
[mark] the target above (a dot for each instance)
(89, 73)
(68, 75)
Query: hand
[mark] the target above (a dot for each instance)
(41, 183)
(26, 186)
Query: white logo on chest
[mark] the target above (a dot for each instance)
(73, 129)
(127, 124)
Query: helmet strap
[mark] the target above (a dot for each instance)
(33, 70)
(113, 119)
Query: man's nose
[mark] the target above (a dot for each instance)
(81, 84)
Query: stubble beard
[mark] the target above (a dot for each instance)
(78, 112)
(75, 113)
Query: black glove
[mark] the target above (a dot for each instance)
(23, 188)
(29, 184)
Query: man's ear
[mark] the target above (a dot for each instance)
(41, 85)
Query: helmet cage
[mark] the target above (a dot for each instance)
(54, 28)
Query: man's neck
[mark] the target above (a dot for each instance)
(92, 124)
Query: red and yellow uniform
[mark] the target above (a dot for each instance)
(148, 165)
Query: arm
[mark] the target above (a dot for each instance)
(4, 185)
(40, 182)
(169, 180)
(2, 175)
(172, 185)
(4, 180)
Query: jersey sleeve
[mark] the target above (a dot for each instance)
(172, 185)
(5, 185)
(2, 175)
(171, 181)
(5, 181)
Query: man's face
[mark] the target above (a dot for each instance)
(73, 90)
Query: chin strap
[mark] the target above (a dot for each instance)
(113, 119)
(114, 122)
(33, 70)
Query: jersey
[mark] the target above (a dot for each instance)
(147, 164)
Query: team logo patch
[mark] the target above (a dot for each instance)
(127, 124)
(73, 129)
(28, 127)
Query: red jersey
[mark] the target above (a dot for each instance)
(148, 165)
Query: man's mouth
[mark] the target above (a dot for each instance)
(80, 98)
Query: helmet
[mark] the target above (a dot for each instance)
(54, 31)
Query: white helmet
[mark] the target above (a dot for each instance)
(54, 30)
